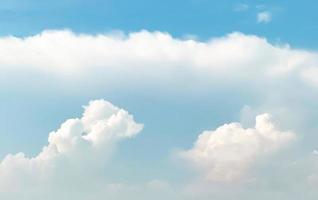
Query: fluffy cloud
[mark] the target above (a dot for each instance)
(81, 146)
(156, 56)
(264, 17)
(228, 153)
(74, 152)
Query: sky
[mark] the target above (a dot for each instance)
(158, 100)
(293, 22)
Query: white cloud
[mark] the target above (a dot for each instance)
(76, 152)
(264, 17)
(228, 153)
(310, 75)
(147, 58)
(156, 56)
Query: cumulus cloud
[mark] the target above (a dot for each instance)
(76, 151)
(82, 145)
(227, 153)
(264, 17)
(156, 56)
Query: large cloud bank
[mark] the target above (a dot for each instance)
(228, 153)
(77, 151)
(156, 54)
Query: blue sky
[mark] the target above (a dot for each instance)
(210, 85)
(293, 22)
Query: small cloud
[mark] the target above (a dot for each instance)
(241, 7)
(315, 152)
(191, 37)
(260, 7)
(264, 17)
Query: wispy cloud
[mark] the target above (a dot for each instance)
(264, 17)
(241, 7)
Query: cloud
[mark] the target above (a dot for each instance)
(241, 7)
(61, 51)
(228, 153)
(152, 57)
(268, 73)
(264, 17)
(76, 152)
(310, 75)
